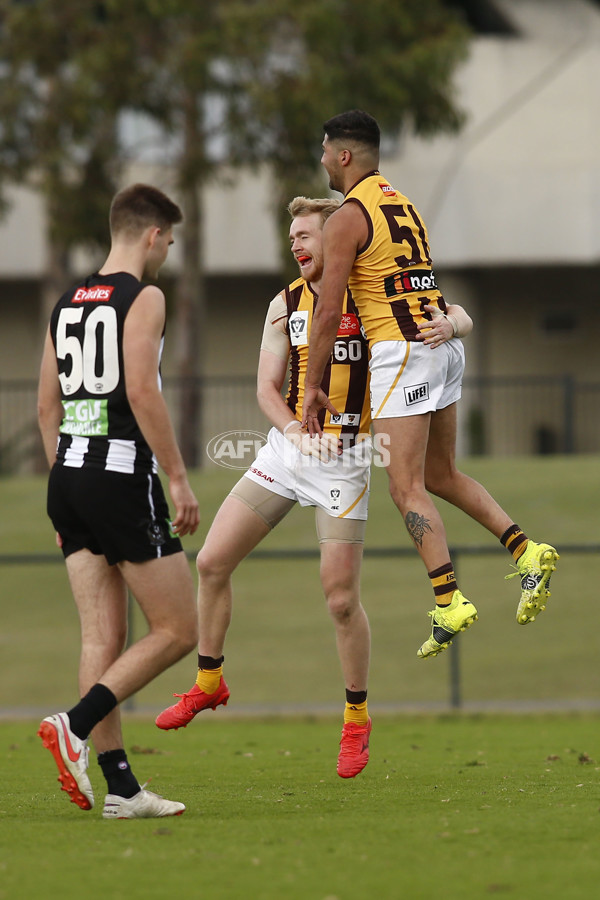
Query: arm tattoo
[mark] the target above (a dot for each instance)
(417, 526)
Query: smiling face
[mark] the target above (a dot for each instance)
(306, 243)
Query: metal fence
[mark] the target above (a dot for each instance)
(459, 554)
(500, 416)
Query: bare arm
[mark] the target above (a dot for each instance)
(271, 375)
(50, 410)
(343, 234)
(462, 320)
(141, 347)
(456, 322)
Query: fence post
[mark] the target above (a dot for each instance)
(454, 654)
(569, 413)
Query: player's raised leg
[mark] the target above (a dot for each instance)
(535, 567)
(406, 439)
(534, 562)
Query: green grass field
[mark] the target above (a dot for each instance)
(281, 650)
(455, 805)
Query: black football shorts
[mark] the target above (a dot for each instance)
(122, 517)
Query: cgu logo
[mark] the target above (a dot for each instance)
(82, 410)
(235, 449)
(86, 295)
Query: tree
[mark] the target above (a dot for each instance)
(395, 60)
(64, 79)
(262, 75)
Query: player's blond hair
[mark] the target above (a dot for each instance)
(305, 206)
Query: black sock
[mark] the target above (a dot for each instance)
(91, 709)
(356, 696)
(209, 662)
(119, 777)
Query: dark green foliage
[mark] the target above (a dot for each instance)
(260, 76)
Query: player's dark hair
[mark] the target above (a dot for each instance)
(354, 125)
(139, 206)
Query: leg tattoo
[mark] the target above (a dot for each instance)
(417, 526)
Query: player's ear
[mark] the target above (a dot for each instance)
(153, 233)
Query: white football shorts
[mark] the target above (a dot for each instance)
(409, 378)
(339, 487)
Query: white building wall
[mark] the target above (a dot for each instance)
(519, 184)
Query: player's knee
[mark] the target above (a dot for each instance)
(407, 491)
(206, 564)
(210, 566)
(185, 635)
(342, 603)
(399, 493)
(434, 484)
(190, 639)
(439, 481)
(109, 641)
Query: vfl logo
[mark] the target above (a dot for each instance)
(344, 418)
(334, 498)
(235, 449)
(298, 327)
(416, 393)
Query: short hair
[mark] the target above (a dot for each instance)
(354, 125)
(305, 206)
(140, 206)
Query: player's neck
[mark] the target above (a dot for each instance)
(130, 259)
(352, 177)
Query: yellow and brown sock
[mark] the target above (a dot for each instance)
(515, 541)
(443, 582)
(209, 675)
(356, 708)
